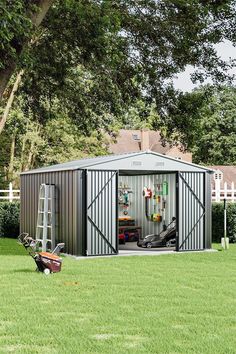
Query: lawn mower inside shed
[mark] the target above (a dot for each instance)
(46, 262)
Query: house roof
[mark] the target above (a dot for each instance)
(229, 173)
(118, 161)
(130, 141)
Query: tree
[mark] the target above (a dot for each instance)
(204, 121)
(64, 142)
(26, 143)
(215, 143)
(129, 48)
(18, 18)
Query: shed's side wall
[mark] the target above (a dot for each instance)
(66, 183)
(208, 207)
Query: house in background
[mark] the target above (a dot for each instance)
(223, 183)
(142, 140)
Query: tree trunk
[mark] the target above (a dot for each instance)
(30, 158)
(12, 155)
(36, 19)
(10, 100)
(22, 157)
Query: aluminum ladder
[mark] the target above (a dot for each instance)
(45, 228)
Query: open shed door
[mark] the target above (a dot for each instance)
(101, 219)
(191, 211)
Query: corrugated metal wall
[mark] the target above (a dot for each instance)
(208, 207)
(70, 216)
(191, 210)
(67, 189)
(137, 208)
(101, 205)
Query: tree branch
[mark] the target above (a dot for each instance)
(36, 19)
(10, 100)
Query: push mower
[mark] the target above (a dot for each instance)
(46, 262)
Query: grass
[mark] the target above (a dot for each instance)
(180, 303)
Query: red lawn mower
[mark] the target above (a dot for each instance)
(46, 262)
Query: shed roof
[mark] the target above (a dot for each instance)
(125, 162)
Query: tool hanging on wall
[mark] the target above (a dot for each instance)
(126, 202)
(147, 193)
(164, 214)
(124, 199)
(165, 188)
(165, 191)
(156, 217)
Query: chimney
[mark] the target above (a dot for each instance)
(144, 140)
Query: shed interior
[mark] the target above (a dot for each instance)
(146, 206)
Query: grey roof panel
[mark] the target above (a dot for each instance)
(101, 160)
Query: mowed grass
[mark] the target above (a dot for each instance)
(180, 303)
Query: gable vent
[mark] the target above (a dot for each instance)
(136, 163)
(136, 137)
(160, 164)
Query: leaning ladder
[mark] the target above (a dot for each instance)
(45, 229)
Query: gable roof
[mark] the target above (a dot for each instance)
(110, 160)
(229, 173)
(131, 141)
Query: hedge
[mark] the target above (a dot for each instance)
(9, 219)
(10, 216)
(218, 221)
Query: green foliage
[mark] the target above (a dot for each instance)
(218, 221)
(217, 129)
(64, 142)
(9, 219)
(111, 53)
(98, 65)
(204, 121)
(15, 28)
(26, 143)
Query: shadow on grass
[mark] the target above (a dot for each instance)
(26, 270)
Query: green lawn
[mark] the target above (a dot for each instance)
(180, 303)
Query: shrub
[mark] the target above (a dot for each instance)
(218, 221)
(9, 219)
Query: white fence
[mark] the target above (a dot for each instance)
(9, 194)
(218, 194)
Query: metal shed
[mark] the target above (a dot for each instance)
(87, 193)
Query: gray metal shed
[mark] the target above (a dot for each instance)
(87, 193)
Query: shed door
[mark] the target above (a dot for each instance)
(101, 213)
(191, 211)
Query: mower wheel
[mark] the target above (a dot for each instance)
(46, 271)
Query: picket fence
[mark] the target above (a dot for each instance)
(9, 194)
(218, 194)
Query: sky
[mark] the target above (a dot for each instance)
(183, 82)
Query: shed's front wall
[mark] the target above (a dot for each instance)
(68, 186)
